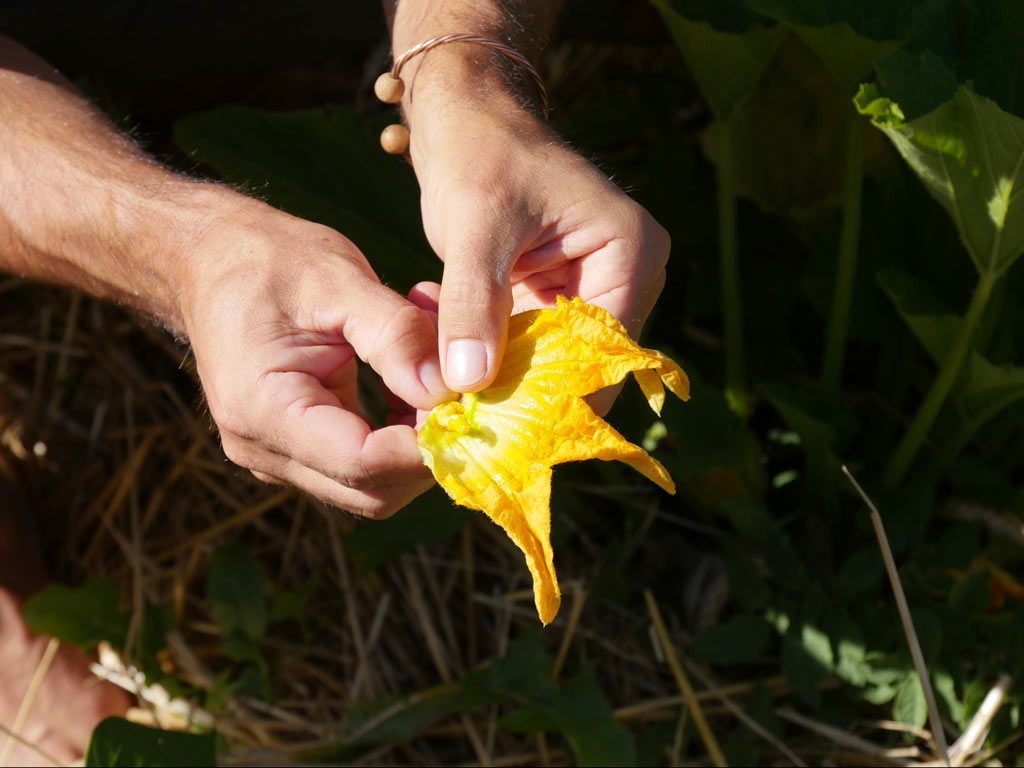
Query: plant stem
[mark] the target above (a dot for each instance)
(943, 383)
(728, 252)
(846, 269)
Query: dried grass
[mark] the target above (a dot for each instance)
(129, 481)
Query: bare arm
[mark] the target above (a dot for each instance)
(80, 205)
(278, 311)
(516, 216)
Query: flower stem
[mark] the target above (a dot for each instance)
(943, 383)
(846, 270)
(728, 252)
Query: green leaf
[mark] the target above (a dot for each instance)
(984, 389)
(970, 155)
(82, 615)
(929, 633)
(580, 710)
(945, 690)
(705, 439)
(852, 665)
(290, 603)
(785, 138)
(909, 706)
(847, 35)
(934, 325)
(582, 713)
(989, 388)
(848, 55)
(918, 84)
(860, 573)
(326, 166)
(118, 742)
(742, 638)
(807, 661)
(981, 41)
(727, 65)
(237, 586)
(971, 592)
(431, 517)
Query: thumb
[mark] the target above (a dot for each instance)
(473, 310)
(397, 339)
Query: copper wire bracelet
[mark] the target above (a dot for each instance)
(389, 86)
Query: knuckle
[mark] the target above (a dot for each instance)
(238, 452)
(409, 326)
(374, 508)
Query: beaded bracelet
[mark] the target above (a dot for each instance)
(389, 86)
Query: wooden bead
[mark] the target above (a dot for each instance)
(389, 89)
(395, 139)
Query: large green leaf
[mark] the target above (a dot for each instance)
(324, 165)
(849, 36)
(786, 136)
(933, 324)
(980, 41)
(970, 155)
(83, 615)
(727, 65)
(984, 389)
(119, 742)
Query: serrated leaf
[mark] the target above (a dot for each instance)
(83, 616)
(237, 585)
(969, 154)
(118, 742)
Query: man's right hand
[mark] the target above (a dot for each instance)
(279, 312)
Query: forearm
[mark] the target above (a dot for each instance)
(80, 204)
(457, 78)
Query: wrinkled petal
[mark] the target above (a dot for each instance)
(493, 450)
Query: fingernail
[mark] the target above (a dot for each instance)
(466, 362)
(430, 376)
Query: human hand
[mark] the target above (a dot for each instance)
(518, 218)
(279, 312)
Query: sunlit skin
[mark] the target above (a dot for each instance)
(279, 312)
(493, 450)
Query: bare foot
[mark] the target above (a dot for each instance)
(71, 701)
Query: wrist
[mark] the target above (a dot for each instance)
(464, 92)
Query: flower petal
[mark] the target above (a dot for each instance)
(493, 450)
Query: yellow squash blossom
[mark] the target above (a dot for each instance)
(493, 450)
